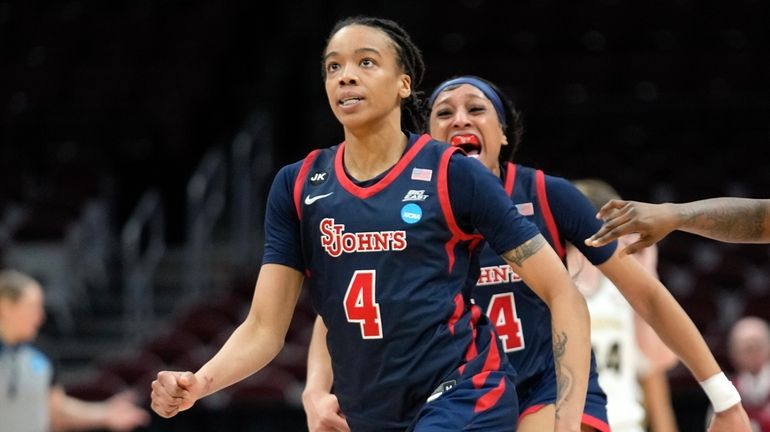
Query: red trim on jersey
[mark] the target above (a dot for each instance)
(586, 419)
(510, 178)
(492, 362)
(550, 223)
(366, 192)
(474, 244)
(531, 410)
(472, 352)
(595, 423)
(459, 308)
(490, 398)
(306, 164)
(446, 208)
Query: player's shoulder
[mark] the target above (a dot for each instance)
(557, 181)
(290, 171)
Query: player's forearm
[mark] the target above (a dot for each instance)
(736, 220)
(319, 368)
(537, 263)
(571, 352)
(659, 308)
(68, 413)
(248, 350)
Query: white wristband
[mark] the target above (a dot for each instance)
(721, 392)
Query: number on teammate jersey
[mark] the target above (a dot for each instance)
(609, 360)
(502, 313)
(360, 306)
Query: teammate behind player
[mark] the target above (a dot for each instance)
(470, 112)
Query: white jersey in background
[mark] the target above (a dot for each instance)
(617, 355)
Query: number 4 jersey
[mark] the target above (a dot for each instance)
(390, 272)
(521, 318)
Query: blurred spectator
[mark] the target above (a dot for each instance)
(749, 349)
(30, 398)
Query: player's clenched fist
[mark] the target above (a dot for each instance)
(173, 392)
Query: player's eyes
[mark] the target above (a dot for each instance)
(367, 62)
(331, 67)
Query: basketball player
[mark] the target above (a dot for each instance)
(473, 114)
(390, 263)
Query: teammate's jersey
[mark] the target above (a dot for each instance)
(613, 339)
(522, 319)
(390, 272)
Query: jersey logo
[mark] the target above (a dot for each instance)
(495, 275)
(411, 213)
(443, 387)
(415, 195)
(335, 240)
(422, 174)
(309, 200)
(318, 178)
(525, 209)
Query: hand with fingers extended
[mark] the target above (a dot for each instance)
(651, 221)
(323, 412)
(173, 392)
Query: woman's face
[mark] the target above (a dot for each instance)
(364, 82)
(21, 319)
(465, 117)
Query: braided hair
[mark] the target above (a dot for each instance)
(511, 118)
(408, 57)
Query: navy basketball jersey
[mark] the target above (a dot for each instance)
(388, 271)
(505, 298)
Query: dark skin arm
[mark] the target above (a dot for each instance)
(732, 220)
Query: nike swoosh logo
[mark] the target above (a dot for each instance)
(309, 200)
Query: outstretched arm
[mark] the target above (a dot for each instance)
(539, 266)
(658, 307)
(321, 406)
(734, 220)
(251, 346)
(118, 413)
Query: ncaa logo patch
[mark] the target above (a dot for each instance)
(411, 213)
(318, 177)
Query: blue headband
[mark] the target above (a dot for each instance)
(479, 84)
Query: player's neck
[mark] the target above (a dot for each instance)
(369, 155)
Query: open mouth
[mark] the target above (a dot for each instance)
(469, 143)
(350, 101)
